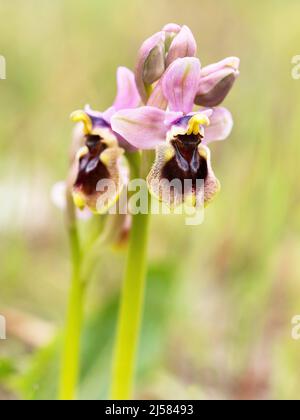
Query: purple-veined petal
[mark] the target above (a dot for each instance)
(221, 124)
(195, 190)
(151, 62)
(145, 127)
(180, 84)
(183, 45)
(128, 95)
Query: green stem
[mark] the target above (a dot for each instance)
(71, 352)
(131, 311)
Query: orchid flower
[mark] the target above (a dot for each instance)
(179, 135)
(101, 156)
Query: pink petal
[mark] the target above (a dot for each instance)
(180, 84)
(128, 95)
(108, 114)
(221, 124)
(149, 49)
(183, 45)
(145, 127)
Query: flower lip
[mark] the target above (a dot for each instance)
(187, 154)
(185, 158)
(192, 180)
(182, 45)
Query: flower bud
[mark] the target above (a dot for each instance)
(151, 63)
(217, 81)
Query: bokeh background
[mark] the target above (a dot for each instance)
(220, 296)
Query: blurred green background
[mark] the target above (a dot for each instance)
(221, 296)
